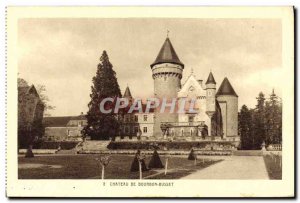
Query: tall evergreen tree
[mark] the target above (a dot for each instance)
(102, 126)
(258, 122)
(273, 120)
(245, 128)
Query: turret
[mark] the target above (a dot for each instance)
(228, 101)
(166, 73)
(210, 95)
(127, 94)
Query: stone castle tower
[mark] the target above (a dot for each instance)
(228, 101)
(166, 73)
(210, 98)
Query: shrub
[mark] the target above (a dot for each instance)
(64, 145)
(175, 145)
(155, 161)
(135, 163)
(192, 155)
(29, 153)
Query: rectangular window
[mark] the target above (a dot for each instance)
(145, 129)
(145, 117)
(136, 118)
(136, 129)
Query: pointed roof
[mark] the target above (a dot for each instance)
(210, 79)
(167, 54)
(127, 93)
(226, 88)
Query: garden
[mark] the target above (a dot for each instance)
(116, 166)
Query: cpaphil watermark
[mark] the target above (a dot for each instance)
(165, 105)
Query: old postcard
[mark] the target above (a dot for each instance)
(150, 102)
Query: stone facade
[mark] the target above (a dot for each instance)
(136, 125)
(67, 128)
(217, 111)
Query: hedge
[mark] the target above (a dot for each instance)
(175, 145)
(64, 145)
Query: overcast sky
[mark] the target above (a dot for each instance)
(63, 54)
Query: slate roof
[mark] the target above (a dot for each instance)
(60, 121)
(226, 88)
(210, 79)
(167, 54)
(127, 93)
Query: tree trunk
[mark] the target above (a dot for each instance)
(102, 174)
(140, 169)
(166, 167)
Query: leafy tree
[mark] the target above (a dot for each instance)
(41, 90)
(22, 83)
(102, 126)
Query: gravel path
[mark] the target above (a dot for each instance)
(234, 167)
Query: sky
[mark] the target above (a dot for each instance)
(63, 54)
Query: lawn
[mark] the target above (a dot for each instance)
(85, 167)
(274, 166)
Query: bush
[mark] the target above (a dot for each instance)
(192, 155)
(135, 163)
(175, 145)
(29, 154)
(155, 161)
(64, 145)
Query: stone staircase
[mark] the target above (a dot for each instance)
(90, 146)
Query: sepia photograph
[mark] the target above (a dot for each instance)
(155, 101)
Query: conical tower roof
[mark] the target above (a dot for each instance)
(127, 93)
(167, 54)
(226, 88)
(210, 79)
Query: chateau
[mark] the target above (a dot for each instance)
(216, 117)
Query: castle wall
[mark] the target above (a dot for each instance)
(229, 110)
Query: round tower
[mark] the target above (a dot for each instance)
(166, 73)
(228, 101)
(210, 98)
